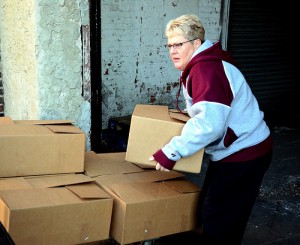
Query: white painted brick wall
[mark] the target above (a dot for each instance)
(136, 67)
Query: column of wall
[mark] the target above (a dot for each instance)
(41, 53)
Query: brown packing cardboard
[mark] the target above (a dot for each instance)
(37, 147)
(152, 126)
(147, 204)
(71, 214)
(148, 210)
(6, 120)
(107, 163)
(14, 184)
(44, 181)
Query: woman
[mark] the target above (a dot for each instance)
(226, 121)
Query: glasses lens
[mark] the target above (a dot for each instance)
(177, 46)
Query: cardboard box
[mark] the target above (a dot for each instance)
(35, 214)
(34, 147)
(107, 164)
(152, 126)
(147, 203)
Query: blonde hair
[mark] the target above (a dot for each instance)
(187, 25)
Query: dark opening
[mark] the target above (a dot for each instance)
(96, 107)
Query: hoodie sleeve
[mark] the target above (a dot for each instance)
(211, 97)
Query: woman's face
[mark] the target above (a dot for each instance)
(181, 50)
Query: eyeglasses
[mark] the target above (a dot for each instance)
(178, 46)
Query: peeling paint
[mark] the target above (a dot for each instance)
(152, 99)
(133, 43)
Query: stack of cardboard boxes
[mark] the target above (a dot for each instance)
(44, 196)
(147, 203)
(52, 191)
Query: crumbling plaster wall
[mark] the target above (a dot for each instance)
(42, 60)
(136, 67)
(18, 59)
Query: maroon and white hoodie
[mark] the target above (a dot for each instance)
(225, 117)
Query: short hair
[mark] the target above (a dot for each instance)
(188, 25)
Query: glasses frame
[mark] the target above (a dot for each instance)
(177, 46)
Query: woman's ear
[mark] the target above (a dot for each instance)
(198, 43)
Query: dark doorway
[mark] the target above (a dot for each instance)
(95, 43)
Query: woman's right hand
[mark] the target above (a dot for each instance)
(158, 166)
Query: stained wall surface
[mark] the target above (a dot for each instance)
(136, 67)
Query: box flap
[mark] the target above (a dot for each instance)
(108, 180)
(145, 166)
(183, 185)
(88, 191)
(154, 175)
(56, 126)
(141, 192)
(23, 130)
(179, 116)
(107, 163)
(6, 120)
(158, 112)
(43, 197)
(43, 122)
(145, 176)
(139, 187)
(67, 129)
(17, 183)
(58, 180)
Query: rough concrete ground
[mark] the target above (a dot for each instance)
(276, 215)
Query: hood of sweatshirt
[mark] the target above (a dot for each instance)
(213, 53)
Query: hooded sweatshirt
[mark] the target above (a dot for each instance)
(225, 119)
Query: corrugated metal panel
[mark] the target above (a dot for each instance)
(262, 38)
